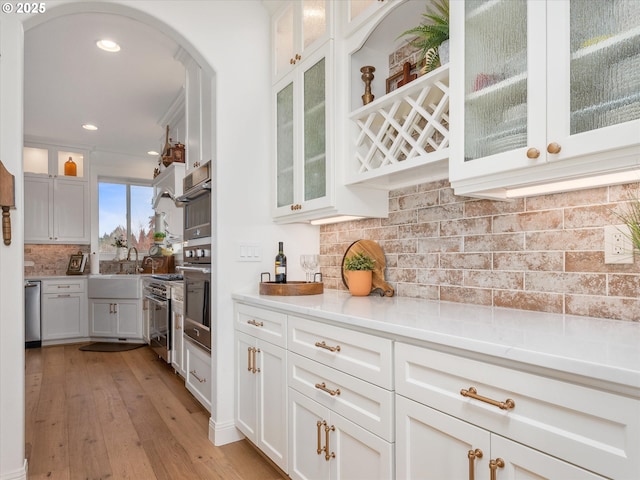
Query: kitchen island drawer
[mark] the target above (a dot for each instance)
(64, 286)
(359, 354)
(261, 323)
(365, 404)
(587, 426)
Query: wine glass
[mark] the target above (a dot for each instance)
(309, 264)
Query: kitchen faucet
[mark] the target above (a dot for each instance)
(136, 270)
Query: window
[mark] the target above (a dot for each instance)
(125, 213)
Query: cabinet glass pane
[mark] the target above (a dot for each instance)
(605, 63)
(495, 77)
(314, 20)
(284, 39)
(36, 160)
(77, 158)
(284, 146)
(315, 158)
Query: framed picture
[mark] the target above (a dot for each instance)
(77, 262)
(392, 81)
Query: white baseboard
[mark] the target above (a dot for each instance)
(20, 474)
(223, 433)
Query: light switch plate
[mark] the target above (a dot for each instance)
(617, 245)
(249, 252)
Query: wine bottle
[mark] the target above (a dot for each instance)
(281, 265)
(70, 169)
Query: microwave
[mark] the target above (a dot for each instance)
(196, 201)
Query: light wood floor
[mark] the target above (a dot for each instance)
(93, 415)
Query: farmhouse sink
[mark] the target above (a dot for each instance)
(114, 286)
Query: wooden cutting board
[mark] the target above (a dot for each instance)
(374, 250)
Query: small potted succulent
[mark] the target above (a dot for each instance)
(359, 270)
(432, 37)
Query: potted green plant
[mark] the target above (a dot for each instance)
(158, 237)
(630, 216)
(359, 270)
(430, 36)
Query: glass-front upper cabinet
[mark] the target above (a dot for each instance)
(535, 83)
(298, 29)
(301, 141)
(53, 162)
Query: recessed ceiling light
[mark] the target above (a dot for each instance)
(153, 152)
(88, 126)
(108, 45)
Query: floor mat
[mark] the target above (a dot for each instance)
(110, 347)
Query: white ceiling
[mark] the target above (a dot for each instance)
(70, 82)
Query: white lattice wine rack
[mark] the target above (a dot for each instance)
(404, 129)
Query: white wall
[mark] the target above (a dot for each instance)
(232, 38)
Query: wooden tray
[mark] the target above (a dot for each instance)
(374, 250)
(291, 288)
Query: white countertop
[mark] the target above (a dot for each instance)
(601, 349)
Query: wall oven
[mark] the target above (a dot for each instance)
(196, 270)
(196, 201)
(157, 296)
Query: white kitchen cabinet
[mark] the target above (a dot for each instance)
(261, 396)
(261, 380)
(198, 116)
(542, 93)
(56, 210)
(433, 445)
(177, 329)
(299, 28)
(199, 375)
(64, 310)
(115, 318)
(146, 321)
(544, 425)
(326, 445)
(307, 181)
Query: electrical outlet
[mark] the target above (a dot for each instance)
(617, 245)
(249, 252)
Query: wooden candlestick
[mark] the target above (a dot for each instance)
(367, 77)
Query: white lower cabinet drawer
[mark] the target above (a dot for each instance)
(263, 324)
(63, 286)
(198, 380)
(589, 427)
(359, 354)
(367, 405)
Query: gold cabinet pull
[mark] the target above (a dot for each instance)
(319, 424)
(249, 359)
(298, 57)
(494, 465)
(472, 455)
(323, 387)
(554, 148)
(508, 404)
(254, 323)
(533, 153)
(327, 347)
(328, 456)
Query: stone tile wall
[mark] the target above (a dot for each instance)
(541, 253)
(50, 260)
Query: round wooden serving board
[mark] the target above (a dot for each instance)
(374, 250)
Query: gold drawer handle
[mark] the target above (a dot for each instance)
(508, 404)
(323, 387)
(327, 347)
(494, 465)
(319, 424)
(201, 380)
(328, 456)
(472, 455)
(255, 324)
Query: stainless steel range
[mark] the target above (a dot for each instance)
(158, 296)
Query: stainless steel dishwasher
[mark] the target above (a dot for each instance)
(32, 327)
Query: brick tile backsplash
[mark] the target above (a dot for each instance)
(543, 253)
